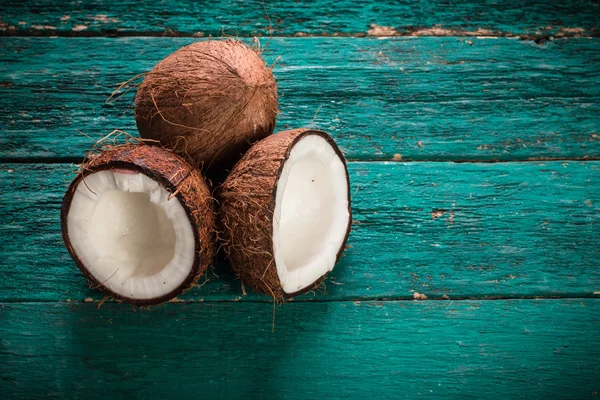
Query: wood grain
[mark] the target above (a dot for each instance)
(444, 230)
(410, 99)
(287, 18)
(422, 230)
(519, 349)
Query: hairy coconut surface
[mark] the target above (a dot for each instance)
(209, 101)
(285, 212)
(139, 222)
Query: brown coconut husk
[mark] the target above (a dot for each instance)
(175, 175)
(247, 208)
(208, 101)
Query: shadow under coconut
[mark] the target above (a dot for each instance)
(212, 350)
(221, 283)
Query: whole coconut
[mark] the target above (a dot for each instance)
(209, 102)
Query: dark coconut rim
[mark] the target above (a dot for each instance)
(288, 151)
(164, 182)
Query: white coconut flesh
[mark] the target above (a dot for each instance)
(311, 213)
(130, 235)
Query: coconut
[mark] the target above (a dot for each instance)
(209, 101)
(139, 223)
(285, 212)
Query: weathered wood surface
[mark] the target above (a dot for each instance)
(437, 229)
(519, 349)
(415, 99)
(444, 230)
(293, 18)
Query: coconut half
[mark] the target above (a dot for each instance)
(139, 223)
(208, 101)
(285, 212)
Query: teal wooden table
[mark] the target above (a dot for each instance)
(472, 131)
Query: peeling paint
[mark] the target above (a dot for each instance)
(419, 296)
(377, 30)
(439, 31)
(176, 300)
(5, 27)
(43, 27)
(104, 19)
(570, 32)
(435, 214)
(450, 219)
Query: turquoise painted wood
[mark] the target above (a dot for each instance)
(412, 99)
(520, 349)
(290, 18)
(522, 232)
(444, 230)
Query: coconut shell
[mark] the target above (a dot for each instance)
(208, 101)
(247, 208)
(175, 175)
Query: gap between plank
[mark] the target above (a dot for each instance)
(354, 300)
(78, 160)
(538, 38)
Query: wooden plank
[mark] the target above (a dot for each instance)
(287, 18)
(331, 350)
(415, 99)
(444, 230)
